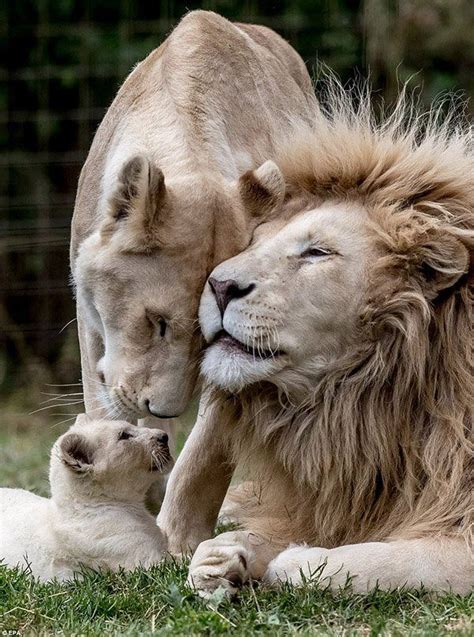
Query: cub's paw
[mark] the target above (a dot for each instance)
(219, 563)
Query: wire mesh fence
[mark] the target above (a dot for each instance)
(64, 62)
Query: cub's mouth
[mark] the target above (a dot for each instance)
(230, 344)
(161, 459)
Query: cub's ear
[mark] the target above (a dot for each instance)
(137, 198)
(444, 260)
(262, 190)
(76, 453)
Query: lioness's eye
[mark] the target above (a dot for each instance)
(316, 252)
(157, 321)
(124, 435)
(162, 325)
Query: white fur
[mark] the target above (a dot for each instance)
(327, 287)
(232, 559)
(437, 564)
(96, 517)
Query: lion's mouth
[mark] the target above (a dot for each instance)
(231, 344)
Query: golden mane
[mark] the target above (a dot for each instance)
(383, 445)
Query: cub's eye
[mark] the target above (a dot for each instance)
(124, 435)
(158, 322)
(316, 252)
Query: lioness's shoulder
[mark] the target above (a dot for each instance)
(199, 28)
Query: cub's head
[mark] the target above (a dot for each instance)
(108, 459)
(140, 276)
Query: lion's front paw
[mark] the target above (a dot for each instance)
(295, 565)
(218, 563)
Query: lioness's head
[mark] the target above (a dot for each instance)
(140, 276)
(111, 459)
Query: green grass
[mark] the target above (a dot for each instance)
(158, 602)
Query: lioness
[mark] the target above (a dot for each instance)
(339, 360)
(171, 187)
(100, 472)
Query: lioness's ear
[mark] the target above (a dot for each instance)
(138, 195)
(262, 190)
(76, 453)
(445, 259)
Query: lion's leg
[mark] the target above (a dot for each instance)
(437, 564)
(230, 560)
(232, 510)
(197, 485)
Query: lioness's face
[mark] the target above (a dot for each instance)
(139, 279)
(109, 458)
(142, 309)
(284, 309)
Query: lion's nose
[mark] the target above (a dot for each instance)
(226, 291)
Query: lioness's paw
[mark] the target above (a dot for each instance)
(219, 564)
(296, 565)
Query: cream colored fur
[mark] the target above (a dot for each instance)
(168, 192)
(353, 415)
(96, 518)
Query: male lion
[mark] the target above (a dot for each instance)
(171, 188)
(339, 360)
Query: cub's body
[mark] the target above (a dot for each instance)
(93, 519)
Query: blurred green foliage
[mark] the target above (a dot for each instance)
(65, 61)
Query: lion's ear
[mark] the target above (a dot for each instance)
(76, 453)
(137, 199)
(262, 190)
(444, 260)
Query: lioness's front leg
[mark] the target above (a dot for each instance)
(437, 564)
(230, 560)
(197, 485)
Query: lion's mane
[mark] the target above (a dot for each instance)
(382, 446)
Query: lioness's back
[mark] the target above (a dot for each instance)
(271, 89)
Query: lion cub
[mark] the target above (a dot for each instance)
(100, 472)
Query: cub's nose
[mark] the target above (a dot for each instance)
(226, 291)
(162, 438)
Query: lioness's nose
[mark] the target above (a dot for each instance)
(225, 291)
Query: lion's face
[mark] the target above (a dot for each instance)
(140, 276)
(284, 309)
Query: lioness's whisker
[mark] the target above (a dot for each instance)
(67, 325)
(76, 402)
(63, 384)
(63, 422)
(61, 398)
(97, 381)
